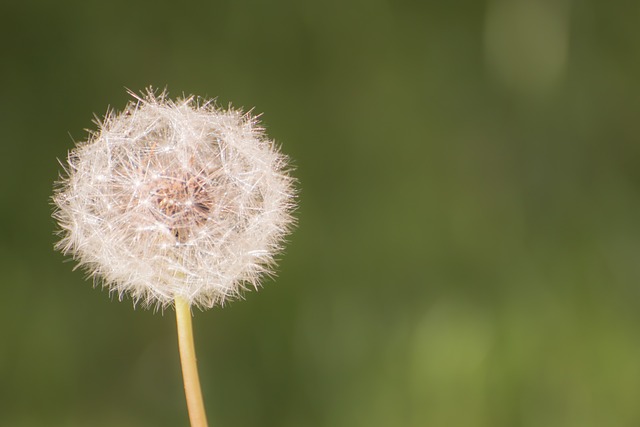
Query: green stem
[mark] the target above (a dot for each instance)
(195, 404)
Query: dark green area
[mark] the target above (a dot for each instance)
(469, 225)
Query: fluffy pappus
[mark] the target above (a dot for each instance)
(175, 198)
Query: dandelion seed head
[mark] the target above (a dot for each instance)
(175, 198)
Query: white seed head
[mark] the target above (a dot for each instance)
(175, 198)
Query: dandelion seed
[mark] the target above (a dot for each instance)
(175, 198)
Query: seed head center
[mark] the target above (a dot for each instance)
(182, 203)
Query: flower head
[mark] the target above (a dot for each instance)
(175, 198)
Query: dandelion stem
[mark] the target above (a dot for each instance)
(195, 404)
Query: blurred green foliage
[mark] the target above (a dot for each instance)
(469, 222)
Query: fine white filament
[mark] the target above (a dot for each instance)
(175, 198)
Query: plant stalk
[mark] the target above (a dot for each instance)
(192, 391)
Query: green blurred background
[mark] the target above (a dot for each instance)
(469, 224)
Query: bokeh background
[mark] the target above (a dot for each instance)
(469, 226)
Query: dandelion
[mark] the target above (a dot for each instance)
(176, 202)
